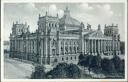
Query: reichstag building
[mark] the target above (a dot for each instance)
(62, 40)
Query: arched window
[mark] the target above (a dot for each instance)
(75, 57)
(55, 25)
(70, 49)
(49, 24)
(62, 50)
(70, 42)
(52, 25)
(66, 58)
(66, 49)
(53, 51)
(53, 42)
(71, 58)
(75, 50)
(61, 42)
(62, 59)
(55, 60)
(74, 43)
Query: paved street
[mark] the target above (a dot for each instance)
(14, 69)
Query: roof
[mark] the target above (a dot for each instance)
(97, 33)
(68, 20)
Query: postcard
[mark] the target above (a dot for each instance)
(68, 40)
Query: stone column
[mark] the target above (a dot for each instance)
(105, 46)
(86, 45)
(64, 47)
(109, 45)
(92, 45)
(95, 46)
(98, 45)
(101, 47)
(119, 45)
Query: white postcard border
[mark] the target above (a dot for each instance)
(59, 1)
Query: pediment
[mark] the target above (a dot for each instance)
(97, 34)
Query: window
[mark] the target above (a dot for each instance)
(49, 25)
(71, 58)
(66, 58)
(66, 49)
(53, 42)
(75, 57)
(53, 51)
(55, 25)
(62, 50)
(61, 42)
(33, 44)
(74, 43)
(75, 49)
(52, 25)
(70, 49)
(62, 59)
(70, 43)
(55, 60)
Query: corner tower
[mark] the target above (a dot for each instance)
(112, 31)
(48, 28)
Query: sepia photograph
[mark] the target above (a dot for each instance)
(52, 40)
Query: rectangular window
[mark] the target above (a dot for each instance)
(67, 58)
(71, 58)
(75, 57)
(62, 59)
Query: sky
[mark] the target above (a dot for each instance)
(92, 13)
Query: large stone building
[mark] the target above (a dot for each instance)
(62, 40)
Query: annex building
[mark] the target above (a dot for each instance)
(62, 40)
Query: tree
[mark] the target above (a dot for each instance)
(119, 64)
(95, 63)
(81, 57)
(73, 71)
(39, 72)
(107, 65)
(122, 66)
(64, 70)
(59, 71)
(122, 47)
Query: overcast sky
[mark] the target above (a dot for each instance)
(92, 13)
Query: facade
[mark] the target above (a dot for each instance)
(62, 40)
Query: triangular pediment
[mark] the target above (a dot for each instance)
(97, 33)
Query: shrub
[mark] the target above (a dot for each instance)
(95, 62)
(59, 71)
(81, 57)
(86, 61)
(73, 71)
(107, 65)
(39, 73)
(64, 70)
(119, 64)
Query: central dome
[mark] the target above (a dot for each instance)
(68, 20)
